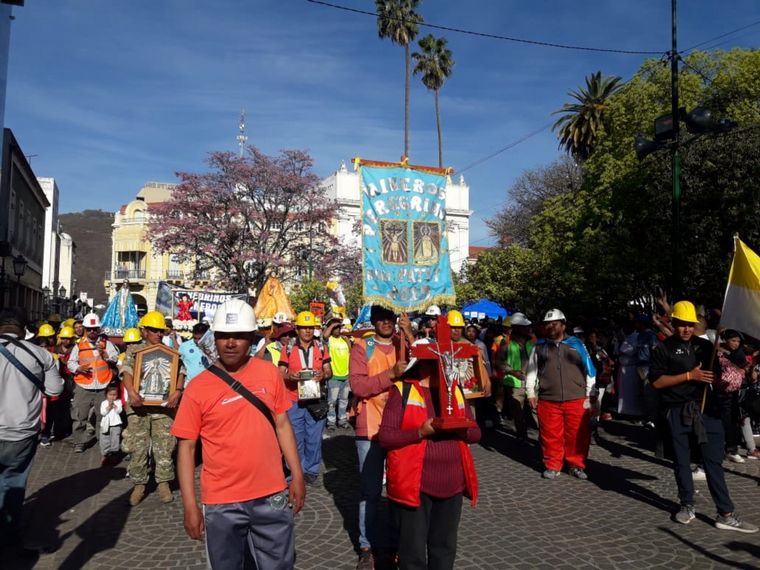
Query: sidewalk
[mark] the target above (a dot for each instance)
(618, 519)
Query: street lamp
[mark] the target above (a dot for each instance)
(46, 294)
(19, 266)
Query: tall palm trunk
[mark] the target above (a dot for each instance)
(438, 126)
(407, 58)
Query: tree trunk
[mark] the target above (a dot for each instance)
(438, 126)
(407, 57)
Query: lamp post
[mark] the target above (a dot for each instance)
(19, 267)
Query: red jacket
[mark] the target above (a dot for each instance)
(405, 463)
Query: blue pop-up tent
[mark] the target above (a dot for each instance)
(485, 307)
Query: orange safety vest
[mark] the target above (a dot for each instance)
(405, 464)
(101, 371)
(372, 408)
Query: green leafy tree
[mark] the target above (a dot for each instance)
(527, 197)
(434, 63)
(307, 291)
(398, 21)
(581, 122)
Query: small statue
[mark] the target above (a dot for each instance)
(184, 305)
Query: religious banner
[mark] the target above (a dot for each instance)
(174, 301)
(405, 250)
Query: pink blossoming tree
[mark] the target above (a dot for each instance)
(248, 217)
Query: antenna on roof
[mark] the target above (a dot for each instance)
(242, 138)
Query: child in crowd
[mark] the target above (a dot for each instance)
(110, 425)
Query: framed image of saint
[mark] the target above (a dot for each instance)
(155, 373)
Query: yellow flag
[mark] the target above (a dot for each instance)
(741, 306)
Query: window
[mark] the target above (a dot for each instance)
(138, 215)
(276, 225)
(322, 227)
(299, 226)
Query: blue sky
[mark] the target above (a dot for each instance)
(111, 94)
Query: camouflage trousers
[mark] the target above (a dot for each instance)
(146, 432)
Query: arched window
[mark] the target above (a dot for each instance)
(138, 215)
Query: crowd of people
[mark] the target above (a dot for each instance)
(254, 400)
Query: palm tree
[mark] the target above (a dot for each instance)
(397, 20)
(581, 122)
(434, 63)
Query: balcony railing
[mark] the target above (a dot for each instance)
(121, 274)
(175, 274)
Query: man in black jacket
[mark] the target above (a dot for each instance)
(680, 370)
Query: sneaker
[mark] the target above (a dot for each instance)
(45, 441)
(165, 492)
(734, 458)
(754, 454)
(79, 448)
(685, 515)
(137, 495)
(732, 522)
(366, 560)
(650, 425)
(331, 427)
(578, 473)
(698, 474)
(550, 474)
(343, 425)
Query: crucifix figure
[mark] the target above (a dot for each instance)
(446, 380)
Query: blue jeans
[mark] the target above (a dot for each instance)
(337, 393)
(712, 455)
(15, 463)
(371, 469)
(308, 432)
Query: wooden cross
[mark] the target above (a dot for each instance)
(445, 352)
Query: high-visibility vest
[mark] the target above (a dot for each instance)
(101, 371)
(404, 465)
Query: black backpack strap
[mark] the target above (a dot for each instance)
(243, 391)
(23, 369)
(16, 342)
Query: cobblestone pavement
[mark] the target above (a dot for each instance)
(618, 519)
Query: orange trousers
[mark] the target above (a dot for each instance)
(565, 433)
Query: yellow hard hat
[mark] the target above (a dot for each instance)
(66, 332)
(318, 321)
(306, 319)
(154, 320)
(455, 319)
(132, 335)
(46, 330)
(684, 311)
(68, 323)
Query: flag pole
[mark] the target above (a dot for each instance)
(717, 332)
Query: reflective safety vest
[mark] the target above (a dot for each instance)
(101, 371)
(405, 464)
(275, 350)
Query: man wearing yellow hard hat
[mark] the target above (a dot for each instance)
(681, 371)
(300, 365)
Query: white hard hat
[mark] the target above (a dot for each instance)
(91, 321)
(433, 311)
(234, 315)
(520, 320)
(280, 318)
(578, 330)
(554, 315)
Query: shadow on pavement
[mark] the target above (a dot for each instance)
(748, 547)
(620, 480)
(341, 480)
(528, 454)
(98, 533)
(710, 555)
(46, 508)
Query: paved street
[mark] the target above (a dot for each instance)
(618, 519)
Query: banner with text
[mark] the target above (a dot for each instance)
(204, 303)
(405, 250)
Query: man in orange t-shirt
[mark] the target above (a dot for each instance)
(243, 488)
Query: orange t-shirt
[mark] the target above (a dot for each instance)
(241, 454)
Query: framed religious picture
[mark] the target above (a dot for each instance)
(472, 372)
(155, 373)
(308, 387)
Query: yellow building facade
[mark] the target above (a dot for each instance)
(133, 259)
